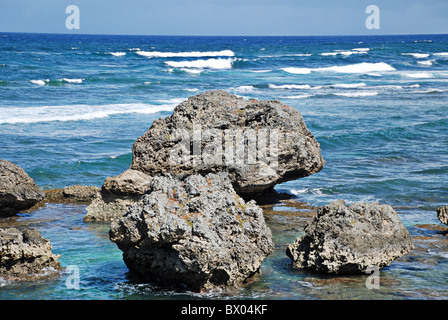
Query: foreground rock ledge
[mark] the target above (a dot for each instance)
(25, 255)
(348, 239)
(194, 234)
(17, 190)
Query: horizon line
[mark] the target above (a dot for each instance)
(192, 35)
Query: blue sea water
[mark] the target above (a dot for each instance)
(71, 107)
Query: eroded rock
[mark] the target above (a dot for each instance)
(258, 143)
(25, 255)
(348, 239)
(195, 234)
(17, 189)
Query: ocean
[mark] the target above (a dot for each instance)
(71, 106)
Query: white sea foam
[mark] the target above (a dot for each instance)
(356, 94)
(260, 71)
(348, 85)
(300, 96)
(191, 90)
(389, 86)
(430, 90)
(364, 67)
(190, 70)
(72, 80)
(417, 55)
(290, 86)
(286, 55)
(191, 54)
(14, 115)
(329, 53)
(345, 52)
(426, 62)
(441, 54)
(38, 82)
(306, 191)
(201, 64)
(244, 89)
(297, 70)
(421, 75)
(118, 54)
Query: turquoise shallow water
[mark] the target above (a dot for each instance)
(71, 107)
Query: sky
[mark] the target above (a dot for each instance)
(226, 17)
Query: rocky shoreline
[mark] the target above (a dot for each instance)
(189, 214)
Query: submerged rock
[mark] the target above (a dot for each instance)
(442, 214)
(258, 143)
(117, 194)
(17, 189)
(25, 255)
(195, 234)
(348, 239)
(71, 194)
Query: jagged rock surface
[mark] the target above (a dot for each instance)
(25, 255)
(195, 234)
(17, 189)
(297, 154)
(116, 195)
(348, 239)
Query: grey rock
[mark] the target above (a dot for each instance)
(222, 116)
(130, 182)
(442, 214)
(72, 194)
(194, 234)
(17, 189)
(25, 255)
(79, 193)
(349, 239)
(116, 195)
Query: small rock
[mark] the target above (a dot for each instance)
(117, 195)
(348, 239)
(17, 190)
(80, 193)
(25, 255)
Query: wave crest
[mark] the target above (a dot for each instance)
(191, 54)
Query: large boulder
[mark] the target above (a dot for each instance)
(25, 255)
(442, 214)
(258, 143)
(195, 234)
(116, 195)
(17, 190)
(349, 239)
